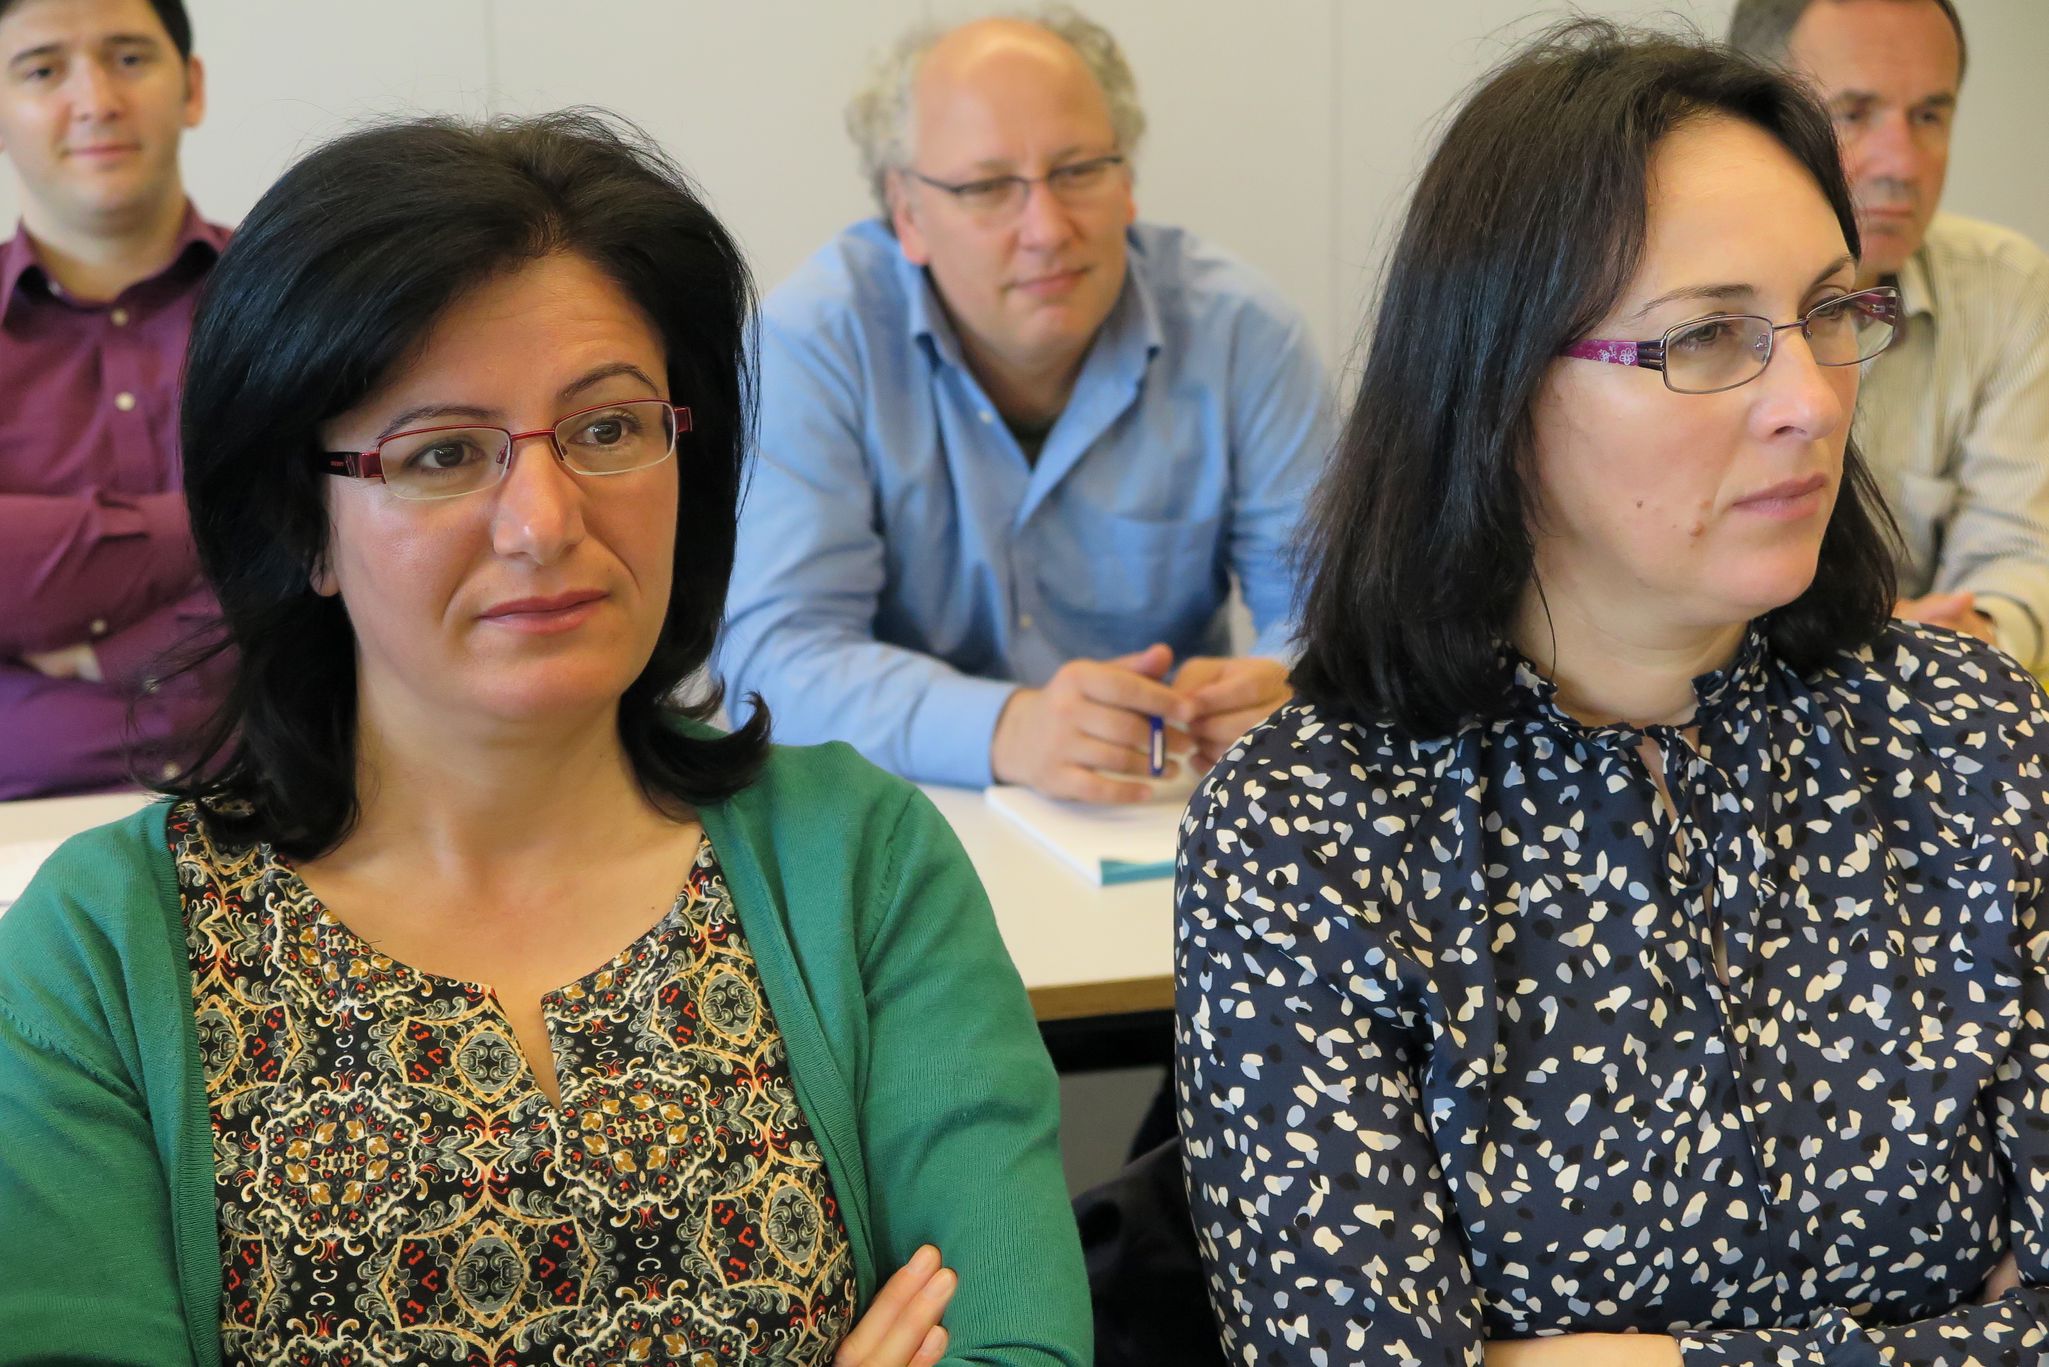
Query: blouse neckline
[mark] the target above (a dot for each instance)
(303, 896)
(1718, 695)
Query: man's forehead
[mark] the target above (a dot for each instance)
(34, 23)
(1851, 42)
(979, 92)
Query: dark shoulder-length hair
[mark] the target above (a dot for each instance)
(1526, 226)
(336, 276)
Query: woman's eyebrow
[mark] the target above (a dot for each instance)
(1716, 294)
(1841, 263)
(597, 375)
(1732, 291)
(422, 412)
(466, 412)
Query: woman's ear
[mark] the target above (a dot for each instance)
(320, 576)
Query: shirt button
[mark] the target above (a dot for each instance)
(987, 416)
(119, 318)
(172, 771)
(125, 401)
(98, 626)
(1024, 622)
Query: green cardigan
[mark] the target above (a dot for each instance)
(909, 1036)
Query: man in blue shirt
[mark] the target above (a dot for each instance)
(1015, 445)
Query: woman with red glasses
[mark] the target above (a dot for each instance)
(476, 1000)
(1630, 947)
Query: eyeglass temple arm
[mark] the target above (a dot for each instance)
(1649, 355)
(355, 464)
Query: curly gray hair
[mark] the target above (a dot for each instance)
(879, 115)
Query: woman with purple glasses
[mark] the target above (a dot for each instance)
(1629, 949)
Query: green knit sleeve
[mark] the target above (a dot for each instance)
(88, 1250)
(960, 1123)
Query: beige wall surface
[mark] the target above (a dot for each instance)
(1289, 131)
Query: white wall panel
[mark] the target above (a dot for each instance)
(1289, 132)
(748, 97)
(1400, 84)
(1999, 161)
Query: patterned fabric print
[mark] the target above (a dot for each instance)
(393, 1187)
(1455, 1064)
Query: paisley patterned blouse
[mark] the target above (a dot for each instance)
(1455, 1062)
(393, 1187)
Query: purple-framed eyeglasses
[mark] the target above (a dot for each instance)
(448, 462)
(1709, 355)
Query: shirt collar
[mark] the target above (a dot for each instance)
(1916, 294)
(1132, 331)
(1717, 693)
(197, 239)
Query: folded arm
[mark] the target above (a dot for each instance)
(1321, 1210)
(72, 563)
(960, 1120)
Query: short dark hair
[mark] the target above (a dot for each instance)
(171, 13)
(1526, 226)
(340, 270)
(1763, 29)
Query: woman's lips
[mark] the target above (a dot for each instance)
(1792, 499)
(544, 616)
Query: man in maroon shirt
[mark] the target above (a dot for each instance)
(97, 573)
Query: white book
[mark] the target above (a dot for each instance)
(1105, 843)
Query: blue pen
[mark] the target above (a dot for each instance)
(1158, 756)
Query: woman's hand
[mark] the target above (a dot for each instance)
(901, 1328)
(1586, 1350)
(2004, 1278)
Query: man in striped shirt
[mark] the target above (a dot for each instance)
(1954, 419)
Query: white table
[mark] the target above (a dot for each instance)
(54, 818)
(1082, 950)
(30, 830)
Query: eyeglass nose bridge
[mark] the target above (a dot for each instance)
(1771, 338)
(513, 439)
(1059, 205)
(1804, 324)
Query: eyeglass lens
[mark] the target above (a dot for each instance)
(1071, 184)
(462, 460)
(1721, 353)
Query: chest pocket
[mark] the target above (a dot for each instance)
(1140, 578)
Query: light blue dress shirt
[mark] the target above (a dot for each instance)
(902, 568)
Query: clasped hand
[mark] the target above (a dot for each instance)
(73, 662)
(1957, 611)
(901, 1328)
(1091, 721)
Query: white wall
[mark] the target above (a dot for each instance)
(1288, 131)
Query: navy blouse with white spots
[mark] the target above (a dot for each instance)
(1456, 1063)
